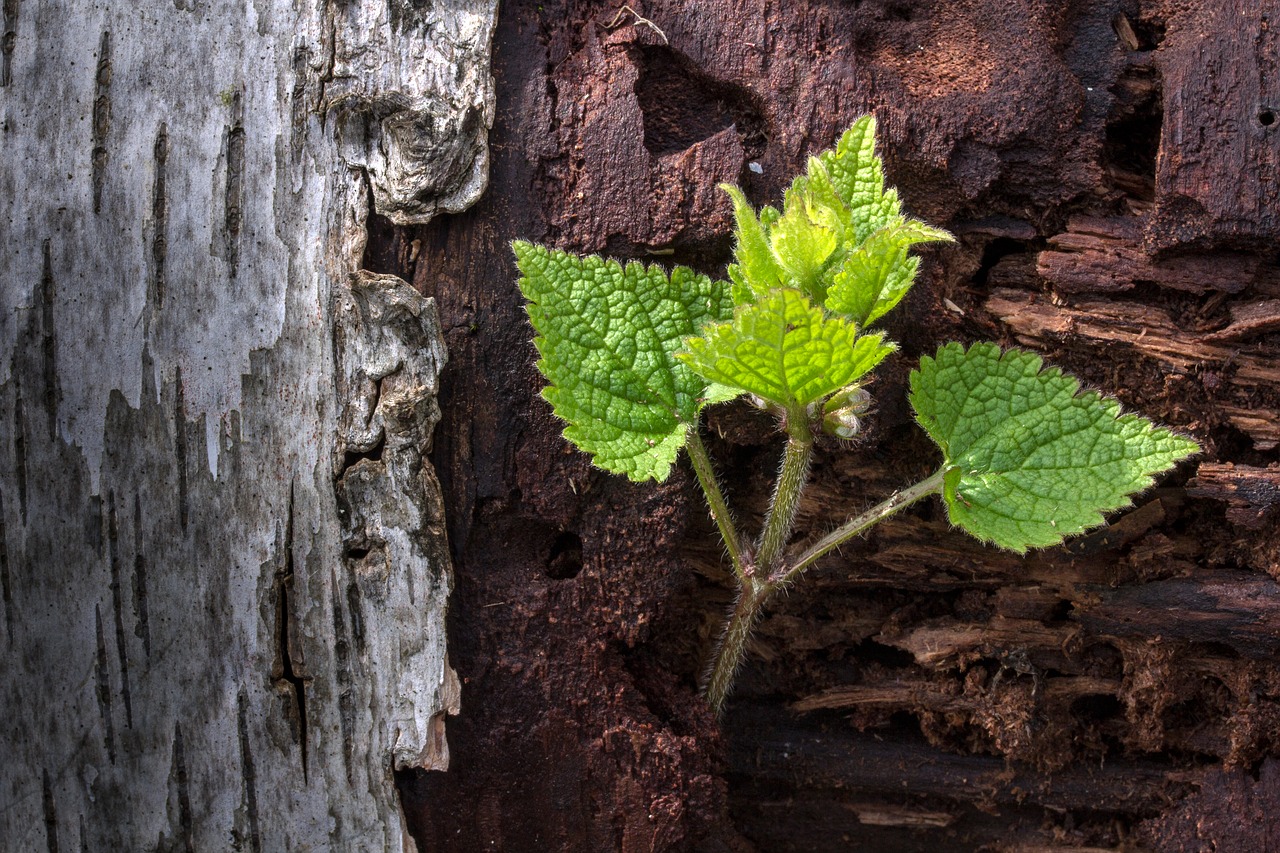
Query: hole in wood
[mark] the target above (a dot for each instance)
(565, 561)
(1132, 143)
(1266, 118)
(682, 105)
(996, 251)
(1102, 660)
(367, 558)
(1096, 708)
(1138, 35)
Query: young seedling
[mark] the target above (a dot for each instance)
(633, 354)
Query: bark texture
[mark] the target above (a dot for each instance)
(1109, 168)
(222, 550)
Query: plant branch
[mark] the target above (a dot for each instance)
(895, 502)
(715, 501)
(752, 596)
(786, 500)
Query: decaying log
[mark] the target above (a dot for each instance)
(586, 605)
(1237, 610)
(1249, 492)
(782, 750)
(1250, 320)
(1106, 255)
(850, 788)
(1215, 179)
(1239, 372)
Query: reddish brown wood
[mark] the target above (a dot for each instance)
(1105, 255)
(1243, 379)
(917, 691)
(1216, 178)
(1249, 492)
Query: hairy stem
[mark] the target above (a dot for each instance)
(895, 502)
(752, 596)
(715, 501)
(786, 500)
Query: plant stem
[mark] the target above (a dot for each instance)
(752, 597)
(715, 501)
(895, 502)
(786, 500)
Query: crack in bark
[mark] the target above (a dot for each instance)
(101, 118)
(182, 783)
(103, 682)
(19, 447)
(247, 773)
(117, 604)
(7, 41)
(48, 344)
(342, 663)
(6, 591)
(290, 678)
(50, 814)
(357, 616)
(326, 74)
(180, 447)
(298, 110)
(159, 222)
(233, 192)
(141, 625)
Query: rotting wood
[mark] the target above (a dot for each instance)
(798, 754)
(1215, 179)
(1106, 255)
(1037, 321)
(1249, 492)
(1236, 610)
(194, 380)
(1249, 321)
(967, 150)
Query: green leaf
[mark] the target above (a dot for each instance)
(607, 335)
(756, 270)
(841, 237)
(717, 393)
(1035, 459)
(802, 245)
(857, 176)
(874, 278)
(784, 349)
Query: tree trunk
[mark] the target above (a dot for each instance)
(222, 549)
(1109, 168)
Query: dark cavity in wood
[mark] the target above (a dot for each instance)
(102, 679)
(49, 342)
(6, 589)
(233, 190)
(159, 223)
(50, 814)
(287, 671)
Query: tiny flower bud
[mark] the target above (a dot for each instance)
(855, 398)
(842, 423)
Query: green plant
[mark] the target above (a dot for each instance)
(633, 355)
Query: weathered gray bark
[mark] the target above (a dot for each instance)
(222, 558)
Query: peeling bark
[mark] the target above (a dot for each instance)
(223, 563)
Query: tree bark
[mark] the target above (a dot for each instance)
(1109, 168)
(222, 550)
